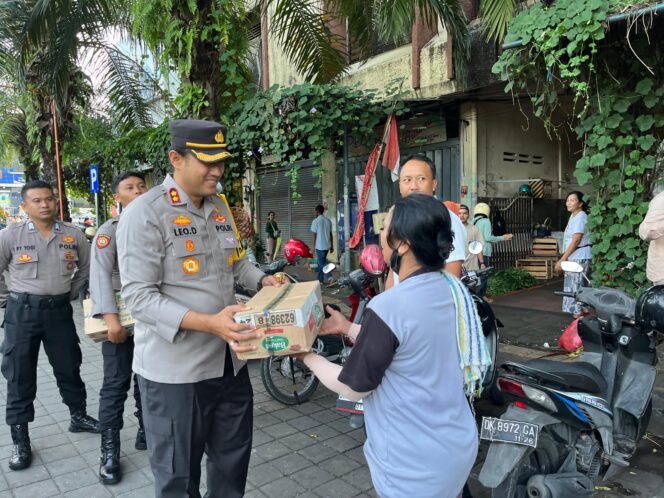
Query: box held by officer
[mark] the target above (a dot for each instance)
(96, 328)
(288, 318)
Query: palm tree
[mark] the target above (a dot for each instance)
(305, 34)
(41, 45)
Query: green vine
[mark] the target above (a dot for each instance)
(609, 86)
(287, 125)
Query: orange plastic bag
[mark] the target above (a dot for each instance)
(570, 340)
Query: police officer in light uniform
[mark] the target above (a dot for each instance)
(176, 248)
(118, 350)
(48, 263)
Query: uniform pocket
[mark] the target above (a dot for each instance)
(68, 261)
(7, 362)
(26, 264)
(161, 444)
(189, 257)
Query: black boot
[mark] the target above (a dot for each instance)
(140, 443)
(109, 467)
(21, 452)
(82, 422)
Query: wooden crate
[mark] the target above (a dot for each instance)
(540, 268)
(545, 247)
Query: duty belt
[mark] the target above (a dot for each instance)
(35, 301)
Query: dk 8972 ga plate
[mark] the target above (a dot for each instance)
(509, 431)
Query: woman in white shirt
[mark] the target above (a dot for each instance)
(576, 247)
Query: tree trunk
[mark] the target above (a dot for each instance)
(49, 169)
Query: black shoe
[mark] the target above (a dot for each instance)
(140, 444)
(82, 422)
(21, 452)
(109, 467)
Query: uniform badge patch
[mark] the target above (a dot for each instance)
(24, 258)
(103, 241)
(174, 195)
(220, 218)
(71, 265)
(68, 239)
(189, 245)
(230, 260)
(190, 266)
(182, 221)
(70, 256)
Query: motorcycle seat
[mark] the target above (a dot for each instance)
(579, 375)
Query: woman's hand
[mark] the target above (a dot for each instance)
(558, 267)
(335, 324)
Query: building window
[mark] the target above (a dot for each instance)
(520, 158)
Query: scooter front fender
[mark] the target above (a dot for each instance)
(502, 458)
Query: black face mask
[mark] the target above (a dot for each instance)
(395, 261)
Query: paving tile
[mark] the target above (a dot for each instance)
(342, 443)
(32, 474)
(76, 480)
(93, 491)
(341, 425)
(3, 483)
(142, 492)
(6, 494)
(265, 420)
(318, 452)
(65, 466)
(339, 465)
(286, 414)
(298, 441)
(304, 422)
(132, 481)
(282, 487)
(310, 408)
(260, 438)
(271, 450)
(280, 430)
(338, 488)
(254, 493)
(322, 432)
(359, 478)
(313, 476)
(288, 464)
(326, 416)
(357, 454)
(263, 474)
(42, 489)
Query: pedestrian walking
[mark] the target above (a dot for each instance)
(273, 233)
(483, 223)
(176, 248)
(48, 263)
(473, 261)
(576, 247)
(118, 350)
(652, 230)
(321, 228)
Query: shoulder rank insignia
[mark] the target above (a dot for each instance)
(174, 196)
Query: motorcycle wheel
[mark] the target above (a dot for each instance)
(545, 459)
(278, 380)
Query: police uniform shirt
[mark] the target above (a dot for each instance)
(48, 267)
(104, 270)
(175, 257)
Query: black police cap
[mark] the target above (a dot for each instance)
(205, 139)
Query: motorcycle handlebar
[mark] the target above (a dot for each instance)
(563, 293)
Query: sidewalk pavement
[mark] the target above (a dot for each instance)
(307, 450)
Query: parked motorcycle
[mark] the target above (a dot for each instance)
(571, 424)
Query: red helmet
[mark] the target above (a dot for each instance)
(295, 248)
(372, 260)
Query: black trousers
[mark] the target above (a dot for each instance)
(183, 421)
(29, 321)
(117, 381)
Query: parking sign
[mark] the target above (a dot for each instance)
(94, 178)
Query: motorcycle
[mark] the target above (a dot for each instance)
(571, 424)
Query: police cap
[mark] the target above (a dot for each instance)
(205, 139)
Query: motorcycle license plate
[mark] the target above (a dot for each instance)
(509, 431)
(346, 405)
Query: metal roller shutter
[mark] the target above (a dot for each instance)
(293, 217)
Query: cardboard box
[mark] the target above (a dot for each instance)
(96, 328)
(288, 318)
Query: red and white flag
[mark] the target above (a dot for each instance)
(391, 156)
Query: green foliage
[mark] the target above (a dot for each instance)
(303, 122)
(509, 280)
(617, 111)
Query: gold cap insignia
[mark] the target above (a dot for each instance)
(219, 137)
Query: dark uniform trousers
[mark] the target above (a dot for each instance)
(117, 381)
(29, 321)
(183, 421)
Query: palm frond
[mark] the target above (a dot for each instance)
(305, 36)
(496, 16)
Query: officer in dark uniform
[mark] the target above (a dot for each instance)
(118, 350)
(48, 263)
(177, 246)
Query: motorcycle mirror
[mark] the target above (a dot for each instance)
(329, 267)
(475, 247)
(571, 266)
